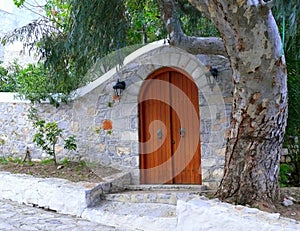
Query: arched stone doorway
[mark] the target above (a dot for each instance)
(169, 129)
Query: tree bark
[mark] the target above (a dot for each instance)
(193, 45)
(259, 109)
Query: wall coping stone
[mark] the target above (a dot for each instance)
(10, 97)
(57, 194)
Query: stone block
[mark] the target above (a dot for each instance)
(208, 163)
(191, 66)
(130, 109)
(161, 59)
(131, 162)
(121, 124)
(56, 194)
(183, 62)
(221, 152)
(121, 151)
(206, 175)
(135, 176)
(129, 135)
(174, 59)
(218, 174)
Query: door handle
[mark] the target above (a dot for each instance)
(159, 134)
(182, 132)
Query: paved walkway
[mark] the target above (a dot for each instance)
(14, 216)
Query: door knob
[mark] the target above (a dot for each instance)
(159, 134)
(182, 132)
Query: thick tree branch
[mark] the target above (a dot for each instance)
(193, 45)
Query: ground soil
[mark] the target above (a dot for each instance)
(73, 171)
(293, 211)
(95, 173)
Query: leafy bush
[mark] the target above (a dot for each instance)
(285, 174)
(33, 83)
(8, 77)
(290, 172)
(48, 135)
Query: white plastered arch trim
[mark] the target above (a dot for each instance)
(108, 75)
(158, 55)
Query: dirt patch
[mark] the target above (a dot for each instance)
(72, 171)
(292, 211)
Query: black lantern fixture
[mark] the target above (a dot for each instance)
(212, 77)
(119, 87)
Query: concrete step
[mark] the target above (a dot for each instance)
(164, 194)
(164, 187)
(162, 197)
(134, 216)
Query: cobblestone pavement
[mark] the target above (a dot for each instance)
(14, 216)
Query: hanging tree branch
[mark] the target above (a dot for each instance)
(193, 45)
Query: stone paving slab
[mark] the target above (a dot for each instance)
(18, 217)
(134, 216)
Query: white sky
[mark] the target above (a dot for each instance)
(6, 5)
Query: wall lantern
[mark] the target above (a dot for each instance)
(212, 77)
(119, 87)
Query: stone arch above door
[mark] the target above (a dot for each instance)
(211, 103)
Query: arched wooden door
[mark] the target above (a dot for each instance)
(169, 129)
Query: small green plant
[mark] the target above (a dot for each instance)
(3, 160)
(14, 160)
(65, 161)
(2, 142)
(48, 135)
(285, 174)
(47, 161)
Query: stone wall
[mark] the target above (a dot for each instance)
(94, 107)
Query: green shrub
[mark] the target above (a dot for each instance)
(8, 77)
(285, 174)
(49, 134)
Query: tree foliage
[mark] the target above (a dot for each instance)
(144, 22)
(72, 35)
(288, 18)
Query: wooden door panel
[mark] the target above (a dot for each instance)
(185, 130)
(155, 122)
(168, 103)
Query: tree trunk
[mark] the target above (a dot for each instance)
(259, 109)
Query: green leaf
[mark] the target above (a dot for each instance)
(19, 3)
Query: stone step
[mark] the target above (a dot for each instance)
(134, 216)
(164, 187)
(159, 196)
